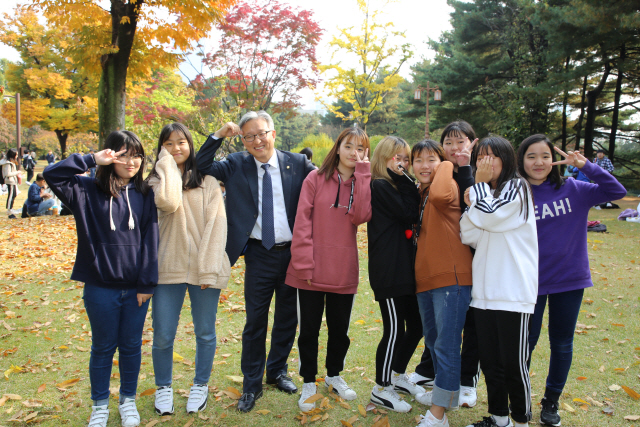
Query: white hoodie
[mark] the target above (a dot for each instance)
(505, 265)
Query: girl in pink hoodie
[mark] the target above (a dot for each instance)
(334, 200)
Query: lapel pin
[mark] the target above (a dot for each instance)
(288, 167)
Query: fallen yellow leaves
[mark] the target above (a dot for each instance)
(631, 392)
(148, 392)
(11, 370)
(236, 378)
(68, 383)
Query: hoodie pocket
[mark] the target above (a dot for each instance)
(117, 263)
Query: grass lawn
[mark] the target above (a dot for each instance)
(45, 340)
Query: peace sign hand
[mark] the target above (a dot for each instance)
(107, 157)
(364, 159)
(464, 156)
(573, 158)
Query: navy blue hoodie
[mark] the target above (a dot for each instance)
(123, 258)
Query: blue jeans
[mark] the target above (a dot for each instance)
(45, 205)
(563, 316)
(165, 310)
(116, 322)
(443, 313)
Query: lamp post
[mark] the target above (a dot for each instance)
(437, 96)
(18, 131)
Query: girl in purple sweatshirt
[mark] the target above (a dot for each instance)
(334, 200)
(561, 210)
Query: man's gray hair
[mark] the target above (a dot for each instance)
(252, 115)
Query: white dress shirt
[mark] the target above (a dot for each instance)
(281, 225)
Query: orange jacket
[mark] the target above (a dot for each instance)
(442, 260)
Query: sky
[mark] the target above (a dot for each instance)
(421, 20)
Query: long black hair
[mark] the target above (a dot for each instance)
(502, 149)
(107, 179)
(191, 177)
(554, 176)
(12, 153)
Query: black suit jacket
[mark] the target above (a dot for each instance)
(240, 176)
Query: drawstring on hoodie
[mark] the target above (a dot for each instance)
(132, 223)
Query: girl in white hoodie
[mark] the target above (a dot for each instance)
(191, 257)
(500, 224)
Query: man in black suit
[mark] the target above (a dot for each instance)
(263, 187)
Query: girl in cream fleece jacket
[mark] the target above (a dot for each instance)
(191, 256)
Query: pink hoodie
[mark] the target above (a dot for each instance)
(324, 248)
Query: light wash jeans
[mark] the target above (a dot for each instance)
(165, 310)
(443, 313)
(45, 205)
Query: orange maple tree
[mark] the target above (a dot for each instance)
(56, 92)
(132, 38)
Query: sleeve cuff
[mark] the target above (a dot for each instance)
(89, 160)
(146, 289)
(480, 191)
(305, 274)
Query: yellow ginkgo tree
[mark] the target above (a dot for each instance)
(119, 38)
(372, 46)
(56, 93)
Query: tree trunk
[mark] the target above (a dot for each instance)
(581, 118)
(616, 103)
(565, 100)
(113, 82)
(590, 125)
(62, 139)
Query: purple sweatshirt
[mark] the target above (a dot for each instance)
(561, 220)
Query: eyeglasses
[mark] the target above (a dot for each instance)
(261, 135)
(135, 157)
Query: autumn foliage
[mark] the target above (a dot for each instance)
(267, 54)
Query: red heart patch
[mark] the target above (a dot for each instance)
(408, 233)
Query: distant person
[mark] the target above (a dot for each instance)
(38, 200)
(50, 157)
(29, 164)
(11, 176)
(603, 161)
(309, 153)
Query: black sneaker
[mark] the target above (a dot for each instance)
(489, 422)
(549, 413)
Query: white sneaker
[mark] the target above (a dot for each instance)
(129, 413)
(468, 397)
(402, 384)
(197, 398)
(164, 401)
(388, 398)
(428, 420)
(420, 380)
(99, 416)
(341, 387)
(308, 390)
(425, 398)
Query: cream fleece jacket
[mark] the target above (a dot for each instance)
(10, 172)
(193, 229)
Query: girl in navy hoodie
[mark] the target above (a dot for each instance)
(561, 210)
(117, 259)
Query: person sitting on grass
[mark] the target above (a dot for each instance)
(38, 200)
